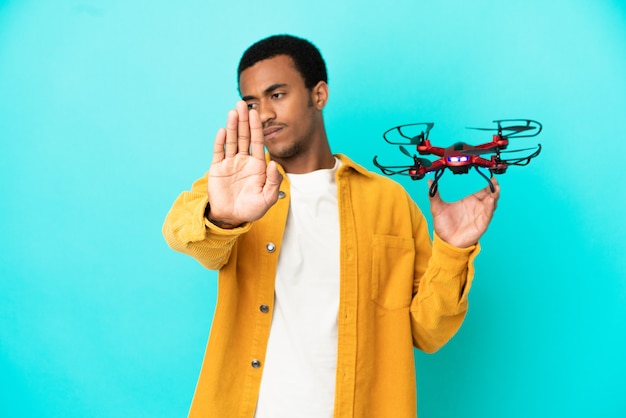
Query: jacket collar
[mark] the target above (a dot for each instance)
(346, 164)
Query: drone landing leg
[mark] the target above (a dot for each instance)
(491, 186)
(433, 187)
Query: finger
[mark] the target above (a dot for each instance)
(243, 134)
(496, 185)
(482, 194)
(231, 134)
(218, 146)
(486, 193)
(496, 193)
(256, 136)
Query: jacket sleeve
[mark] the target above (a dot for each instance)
(187, 230)
(443, 277)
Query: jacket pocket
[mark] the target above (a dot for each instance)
(393, 268)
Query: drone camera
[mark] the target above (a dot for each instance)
(458, 159)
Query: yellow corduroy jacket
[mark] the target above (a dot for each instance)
(398, 290)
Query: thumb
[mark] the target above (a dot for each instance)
(272, 182)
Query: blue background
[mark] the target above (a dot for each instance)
(108, 110)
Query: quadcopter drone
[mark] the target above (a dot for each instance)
(460, 157)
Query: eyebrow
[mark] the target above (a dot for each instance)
(267, 91)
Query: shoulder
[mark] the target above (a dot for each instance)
(377, 197)
(373, 187)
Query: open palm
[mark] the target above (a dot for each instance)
(241, 186)
(463, 222)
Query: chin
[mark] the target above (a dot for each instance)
(285, 152)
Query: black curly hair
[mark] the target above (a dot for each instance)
(306, 57)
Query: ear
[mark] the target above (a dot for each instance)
(319, 94)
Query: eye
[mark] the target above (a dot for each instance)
(278, 95)
(252, 106)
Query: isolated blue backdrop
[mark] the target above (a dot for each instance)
(108, 110)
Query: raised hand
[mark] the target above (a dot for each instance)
(241, 187)
(463, 222)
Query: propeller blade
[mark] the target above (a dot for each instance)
(405, 151)
(516, 128)
(519, 150)
(492, 150)
(481, 129)
(481, 151)
(424, 162)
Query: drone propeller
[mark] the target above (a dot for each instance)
(402, 131)
(492, 150)
(422, 161)
(481, 151)
(515, 129)
(519, 150)
(523, 160)
(405, 152)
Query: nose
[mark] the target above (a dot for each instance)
(266, 112)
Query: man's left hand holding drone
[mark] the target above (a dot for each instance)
(463, 222)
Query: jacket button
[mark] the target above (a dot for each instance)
(256, 363)
(270, 247)
(281, 195)
(264, 308)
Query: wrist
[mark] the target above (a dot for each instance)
(218, 222)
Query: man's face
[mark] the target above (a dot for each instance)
(291, 120)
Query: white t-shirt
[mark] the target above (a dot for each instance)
(300, 365)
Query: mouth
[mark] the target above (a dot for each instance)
(271, 132)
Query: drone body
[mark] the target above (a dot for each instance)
(460, 157)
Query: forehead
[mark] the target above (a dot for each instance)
(268, 72)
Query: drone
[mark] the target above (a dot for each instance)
(460, 157)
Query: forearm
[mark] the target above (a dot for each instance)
(441, 301)
(188, 231)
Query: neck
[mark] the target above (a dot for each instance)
(302, 163)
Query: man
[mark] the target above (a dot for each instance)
(327, 274)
